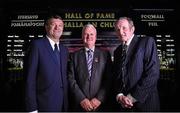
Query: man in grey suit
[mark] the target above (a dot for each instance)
(136, 68)
(89, 82)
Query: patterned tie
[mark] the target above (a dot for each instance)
(89, 61)
(123, 58)
(123, 55)
(56, 52)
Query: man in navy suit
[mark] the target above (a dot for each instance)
(46, 81)
(137, 76)
(89, 82)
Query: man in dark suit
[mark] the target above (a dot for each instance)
(136, 69)
(89, 82)
(46, 77)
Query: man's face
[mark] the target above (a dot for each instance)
(124, 30)
(89, 37)
(54, 28)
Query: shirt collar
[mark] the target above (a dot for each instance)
(52, 42)
(93, 48)
(129, 41)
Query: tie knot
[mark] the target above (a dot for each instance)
(55, 47)
(90, 54)
(90, 51)
(124, 46)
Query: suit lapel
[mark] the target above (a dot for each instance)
(61, 55)
(132, 48)
(130, 52)
(95, 62)
(50, 50)
(62, 62)
(83, 63)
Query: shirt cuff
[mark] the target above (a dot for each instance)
(118, 95)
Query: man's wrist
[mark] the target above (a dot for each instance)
(132, 98)
(118, 95)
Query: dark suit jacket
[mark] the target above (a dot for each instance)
(80, 86)
(45, 91)
(141, 73)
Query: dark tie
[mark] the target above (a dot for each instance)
(89, 61)
(123, 55)
(123, 58)
(56, 52)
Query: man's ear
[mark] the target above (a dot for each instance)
(133, 29)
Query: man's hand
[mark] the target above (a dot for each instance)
(125, 101)
(95, 103)
(86, 105)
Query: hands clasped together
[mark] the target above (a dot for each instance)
(90, 105)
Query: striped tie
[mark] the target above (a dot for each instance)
(89, 61)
